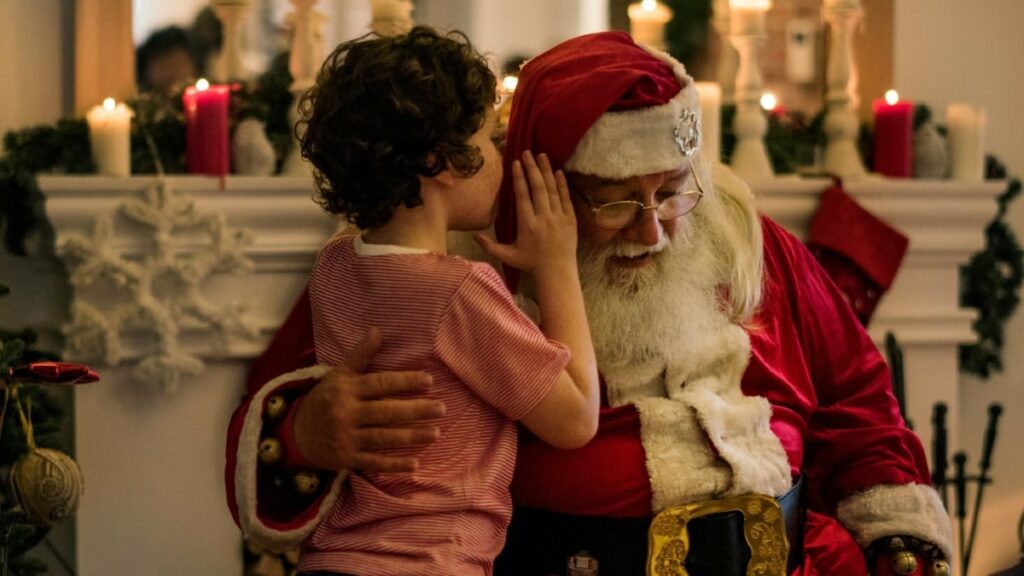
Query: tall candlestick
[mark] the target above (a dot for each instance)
(303, 62)
(110, 127)
(841, 123)
(391, 17)
(647, 21)
(747, 33)
(894, 121)
(747, 16)
(206, 128)
(966, 132)
(728, 59)
(710, 120)
(228, 65)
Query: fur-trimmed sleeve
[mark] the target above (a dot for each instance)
(262, 498)
(862, 463)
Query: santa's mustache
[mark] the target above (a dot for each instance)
(627, 249)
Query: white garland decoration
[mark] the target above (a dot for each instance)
(145, 314)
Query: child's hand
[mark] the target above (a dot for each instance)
(546, 237)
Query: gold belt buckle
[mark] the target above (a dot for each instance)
(764, 528)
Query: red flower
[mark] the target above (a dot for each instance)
(64, 373)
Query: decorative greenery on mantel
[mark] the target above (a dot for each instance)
(991, 282)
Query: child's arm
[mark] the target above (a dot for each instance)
(546, 247)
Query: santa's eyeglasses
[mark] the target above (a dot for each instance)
(623, 213)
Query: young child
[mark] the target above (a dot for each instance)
(400, 131)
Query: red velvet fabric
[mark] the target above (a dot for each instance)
(860, 252)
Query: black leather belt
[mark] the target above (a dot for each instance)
(539, 542)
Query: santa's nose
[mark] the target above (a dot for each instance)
(646, 229)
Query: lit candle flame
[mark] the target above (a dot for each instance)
(109, 104)
(202, 84)
(769, 101)
(892, 97)
(649, 5)
(509, 83)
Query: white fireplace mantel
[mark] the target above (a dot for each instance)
(153, 461)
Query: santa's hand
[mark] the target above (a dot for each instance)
(546, 223)
(348, 417)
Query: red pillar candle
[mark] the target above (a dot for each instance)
(894, 123)
(206, 128)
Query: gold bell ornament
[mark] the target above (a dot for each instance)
(270, 451)
(904, 562)
(940, 568)
(306, 482)
(275, 407)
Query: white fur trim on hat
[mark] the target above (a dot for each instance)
(630, 143)
(246, 470)
(897, 510)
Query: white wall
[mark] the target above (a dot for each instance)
(972, 52)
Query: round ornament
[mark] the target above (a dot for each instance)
(904, 562)
(48, 485)
(940, 568)
(306, 482)
(270, 451)
(275, 407)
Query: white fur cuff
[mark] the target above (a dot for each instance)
(897, 510)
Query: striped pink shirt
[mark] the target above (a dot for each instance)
(491, 366)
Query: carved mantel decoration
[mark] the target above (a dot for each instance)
(160, 285)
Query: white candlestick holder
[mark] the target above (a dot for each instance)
(728, 60)
(841, 124)
(228, 65)
(304, 61)
(749, 156)
(391, 17)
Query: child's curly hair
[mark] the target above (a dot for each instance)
(387, 110)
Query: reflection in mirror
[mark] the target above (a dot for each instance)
(792, 61)
(501, 29)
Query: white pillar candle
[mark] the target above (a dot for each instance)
(710, 120)
(110, 127)
(966, 140)
(647, 21)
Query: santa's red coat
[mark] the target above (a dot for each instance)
(832, 409)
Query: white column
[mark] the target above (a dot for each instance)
(304, 61)
(228, 65)
(841, 125)
(746, 32)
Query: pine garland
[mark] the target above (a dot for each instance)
(991, 283)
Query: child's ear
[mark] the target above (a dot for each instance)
(446, 177)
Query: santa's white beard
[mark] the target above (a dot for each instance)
(665, 345)
(635, 312)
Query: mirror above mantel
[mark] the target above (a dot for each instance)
(108, 31)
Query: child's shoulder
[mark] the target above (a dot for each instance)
(335, 246)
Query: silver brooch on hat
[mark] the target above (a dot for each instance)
(687, 132)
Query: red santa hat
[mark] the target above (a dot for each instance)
(603, 105)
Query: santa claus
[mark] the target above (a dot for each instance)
(742, 403)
